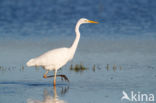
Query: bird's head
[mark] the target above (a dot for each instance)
(84, 20)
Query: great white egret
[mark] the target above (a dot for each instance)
(55, 59)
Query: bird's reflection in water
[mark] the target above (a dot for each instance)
(51, 99)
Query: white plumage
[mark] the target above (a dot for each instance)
(56, 58)
(51, 60)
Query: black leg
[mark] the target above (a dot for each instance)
(63, 77)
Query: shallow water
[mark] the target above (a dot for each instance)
(87, 87)
(110, 71)
(119, 53)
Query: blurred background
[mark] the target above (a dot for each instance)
(20, 19)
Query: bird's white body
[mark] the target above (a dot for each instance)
(55, 59)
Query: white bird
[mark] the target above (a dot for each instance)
(125, 96)
(55, 59)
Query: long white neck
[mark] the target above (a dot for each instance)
(76, 41)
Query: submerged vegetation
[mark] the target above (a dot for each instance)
(94, 68)
(4, 68)
(114, 67)
(78, 68)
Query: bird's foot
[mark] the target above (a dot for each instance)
(44, 76)
(64, 77)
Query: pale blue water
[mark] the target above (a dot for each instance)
(135, 58)
(125, 37)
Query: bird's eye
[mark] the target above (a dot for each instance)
(86, 20)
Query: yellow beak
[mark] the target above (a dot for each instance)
(92, 21)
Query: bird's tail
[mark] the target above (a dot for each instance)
(30, 63)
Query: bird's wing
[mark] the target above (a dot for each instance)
(53, 56)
